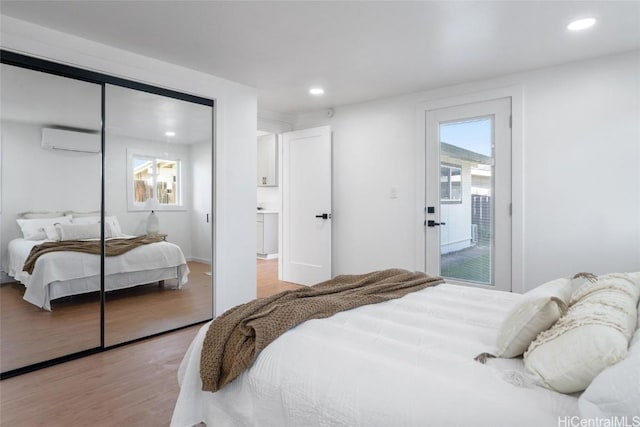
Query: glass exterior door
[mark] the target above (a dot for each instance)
(468, 191)
(466, 187)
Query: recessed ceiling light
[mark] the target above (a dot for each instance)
(316, 91)
(170, 133)
(581, 24)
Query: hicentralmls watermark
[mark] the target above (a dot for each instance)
(615, 421)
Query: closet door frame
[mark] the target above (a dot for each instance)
(63, 70)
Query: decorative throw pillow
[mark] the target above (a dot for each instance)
(111, 221)
(87, 219)
(114, 225)
(593, 335)
(616, 391)
(580, 279)
(78, 231)
(52, 233)
(539, 309)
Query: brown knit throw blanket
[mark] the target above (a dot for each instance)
(112, 247)
(235, 339)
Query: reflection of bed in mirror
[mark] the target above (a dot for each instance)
(60, 274)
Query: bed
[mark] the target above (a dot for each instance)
(66, 273)
(404, 362)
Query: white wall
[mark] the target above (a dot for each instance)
(55, 180)
(270, 198)
(235, 143)
(42, 180)
(581, 171)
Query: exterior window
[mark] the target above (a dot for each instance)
(450, 184)
(154, 183)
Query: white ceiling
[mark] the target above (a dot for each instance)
(357, 51)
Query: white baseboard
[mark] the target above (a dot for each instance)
(266, 256)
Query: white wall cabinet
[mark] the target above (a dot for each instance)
(267, 161)
(267, 238)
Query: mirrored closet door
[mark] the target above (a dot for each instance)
(51, 171)
(158, 187)
(106, 196)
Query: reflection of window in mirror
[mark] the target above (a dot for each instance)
(154, 181)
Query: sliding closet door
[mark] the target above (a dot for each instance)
(51, 170)
(158, 204)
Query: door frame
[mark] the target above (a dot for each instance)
(516, 93)
(277, 124)
(498, 111)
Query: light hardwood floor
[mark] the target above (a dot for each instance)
(268, 283)
(134, 385)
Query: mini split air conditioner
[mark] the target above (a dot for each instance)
(69, 140)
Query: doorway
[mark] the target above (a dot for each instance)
(293, 208)
(468, 193)
(269, 206)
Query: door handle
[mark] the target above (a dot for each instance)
(324, 216)
(432, 223)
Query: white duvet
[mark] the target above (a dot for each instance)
(405, 362)
(57, 267)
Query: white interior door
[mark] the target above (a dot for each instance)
(306, 206)
(468, 194)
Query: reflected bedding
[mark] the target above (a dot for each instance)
(59, 274)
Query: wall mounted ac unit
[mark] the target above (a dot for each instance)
(62, 139)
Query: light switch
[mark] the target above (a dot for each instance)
(393, 193)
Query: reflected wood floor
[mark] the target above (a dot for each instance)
(31, 334)
(134, 385)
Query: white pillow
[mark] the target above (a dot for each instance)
(593, 335)
(111, 221)
(616, 391)
(90, 219)
(538, 311)
(34, 229)
(90, 231)
(52, 233)
(78, 231)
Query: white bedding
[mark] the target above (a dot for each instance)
(58, 274)
(405, 362)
